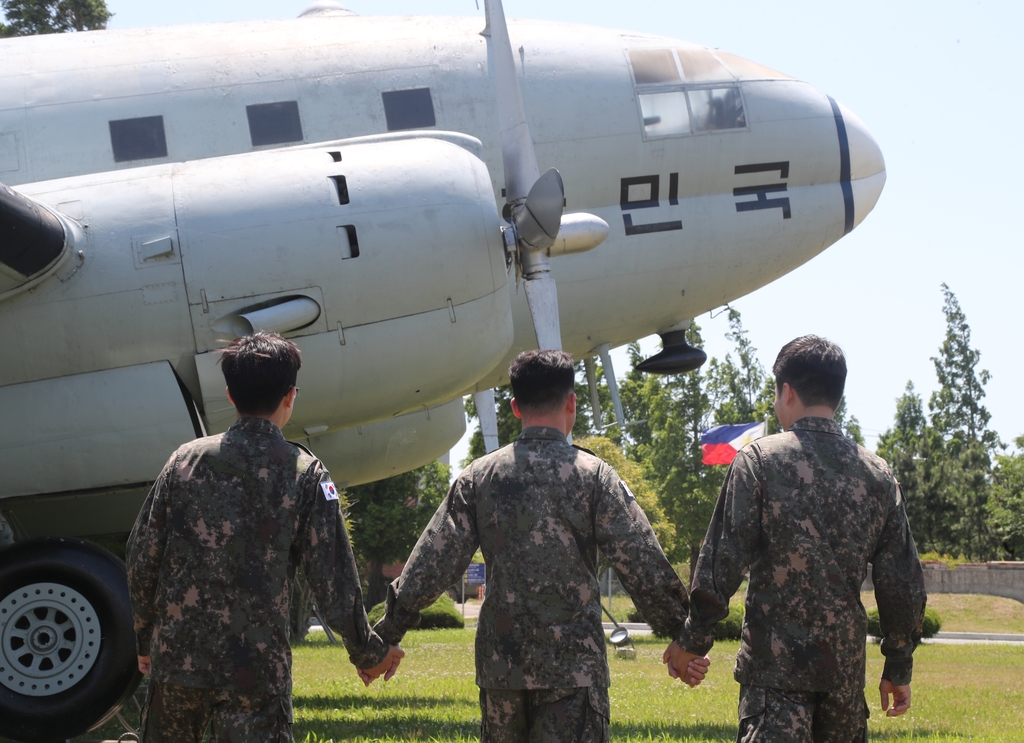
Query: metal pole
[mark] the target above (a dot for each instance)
(484, 401)
(595, 400)
(613, 386)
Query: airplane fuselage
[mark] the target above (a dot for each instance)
(715, 175)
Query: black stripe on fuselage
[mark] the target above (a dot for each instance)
(844, 165)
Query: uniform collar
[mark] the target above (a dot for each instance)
(814, 423)
(542, 432)
(251, 424)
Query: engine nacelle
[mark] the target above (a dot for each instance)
(389, 447)
(382, 259)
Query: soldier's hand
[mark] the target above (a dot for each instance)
(900, 698)
(144, 665)
(387, 667)
(690, 668)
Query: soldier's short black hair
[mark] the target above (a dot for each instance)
(815, 368)
(260, 369)
(542, 380)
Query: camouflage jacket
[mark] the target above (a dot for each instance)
(539, 509)
(213, 554)
(806, 511)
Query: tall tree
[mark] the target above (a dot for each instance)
(961, 422)
(741, 391)
(956, 408)
(1007, 504)
(31, 17)
(387, 518)
(848, 424)
(914, 451)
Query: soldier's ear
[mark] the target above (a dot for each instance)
(515, 408)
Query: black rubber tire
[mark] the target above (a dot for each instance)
(101, 578)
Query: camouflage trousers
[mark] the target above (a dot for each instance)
(180, 714)
(578, 715)
(785, 716)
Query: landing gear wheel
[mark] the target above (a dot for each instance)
(67, 642)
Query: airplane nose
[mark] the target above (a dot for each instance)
(867, 166)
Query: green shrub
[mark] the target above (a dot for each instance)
(929, 627)
(948, 560)
(730, 627)
(442, 614)
(727, 629)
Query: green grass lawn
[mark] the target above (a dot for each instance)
(972, 613)
(973, 692)
(959, 612)
(961, 693)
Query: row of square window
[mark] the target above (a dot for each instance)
(269, 124)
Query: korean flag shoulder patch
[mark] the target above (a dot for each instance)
(330, 490)
(629, 493)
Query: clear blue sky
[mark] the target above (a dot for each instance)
(938, 84)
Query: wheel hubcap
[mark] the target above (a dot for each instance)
(49, 639)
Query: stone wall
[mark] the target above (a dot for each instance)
(993, 578)
(1004, 579)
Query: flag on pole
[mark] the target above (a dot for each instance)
(721, 443)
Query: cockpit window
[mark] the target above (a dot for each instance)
(717, 108)
(700, 66)
(677, 95)
(653, 66)
(664, 114)
(744, 69)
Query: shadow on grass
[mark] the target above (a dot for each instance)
(673, 731)
(423, 727)
(913, 734)
(362, 701)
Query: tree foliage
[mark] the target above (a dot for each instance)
(1007, 504)
(677, 409)
(388, 516)
(31, 17)
(913, 450)
(944, 462)
(633, 475)
(963, 442)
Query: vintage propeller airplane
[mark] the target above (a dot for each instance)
(336, 178)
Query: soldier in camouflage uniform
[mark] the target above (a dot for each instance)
(212, 558)
(806, 511)
(540, 510)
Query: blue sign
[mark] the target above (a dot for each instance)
(476, 574)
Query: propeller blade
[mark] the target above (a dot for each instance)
(536, 202)
(517, 153)
(542, 297)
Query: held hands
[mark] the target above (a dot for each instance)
(386, 667)
(144, 665)
(689, 668)
(900, 698)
